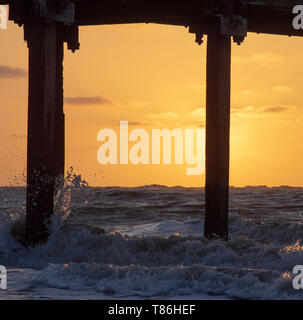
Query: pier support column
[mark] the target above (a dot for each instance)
(45, 149)
(217, 135)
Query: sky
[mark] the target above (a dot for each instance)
(154, 77)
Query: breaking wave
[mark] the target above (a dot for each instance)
(147, 243)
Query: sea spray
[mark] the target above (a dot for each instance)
(62, 200)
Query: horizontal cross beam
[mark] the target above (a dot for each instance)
(264, 16)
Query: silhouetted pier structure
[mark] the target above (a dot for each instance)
(50, 23)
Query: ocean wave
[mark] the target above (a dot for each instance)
(106, 252)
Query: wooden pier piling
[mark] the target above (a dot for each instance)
(45, 155)
(217, 135)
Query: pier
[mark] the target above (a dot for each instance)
(48, 24)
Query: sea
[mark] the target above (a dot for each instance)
(147, 243)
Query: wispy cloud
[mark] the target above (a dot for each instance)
(96, 100)
(9, 72)
(251, 111)
(247, 92)
(281, 88)
(132, 103)
(263, 59)
(198, 113)
(274, 109)
(267, 57)
(137, 123)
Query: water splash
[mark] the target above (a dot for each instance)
(62, 200)
(14, 223)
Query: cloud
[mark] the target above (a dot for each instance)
(97, 100)
(267, 57)
(198, 113)
(251, 111)
(199, 124)
(281, 88)
(274, 109)
(263, 59)
(133, 103)
(9, 72)
(136, 123)
(249, 108)
(248, 111)
(247, 92)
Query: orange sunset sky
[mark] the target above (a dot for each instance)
(154, 77)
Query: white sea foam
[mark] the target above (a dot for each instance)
(99, 252)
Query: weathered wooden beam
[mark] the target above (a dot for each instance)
(59, 117)
(217, 135)
(264, 16)
(45, 151)
(89, 12)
